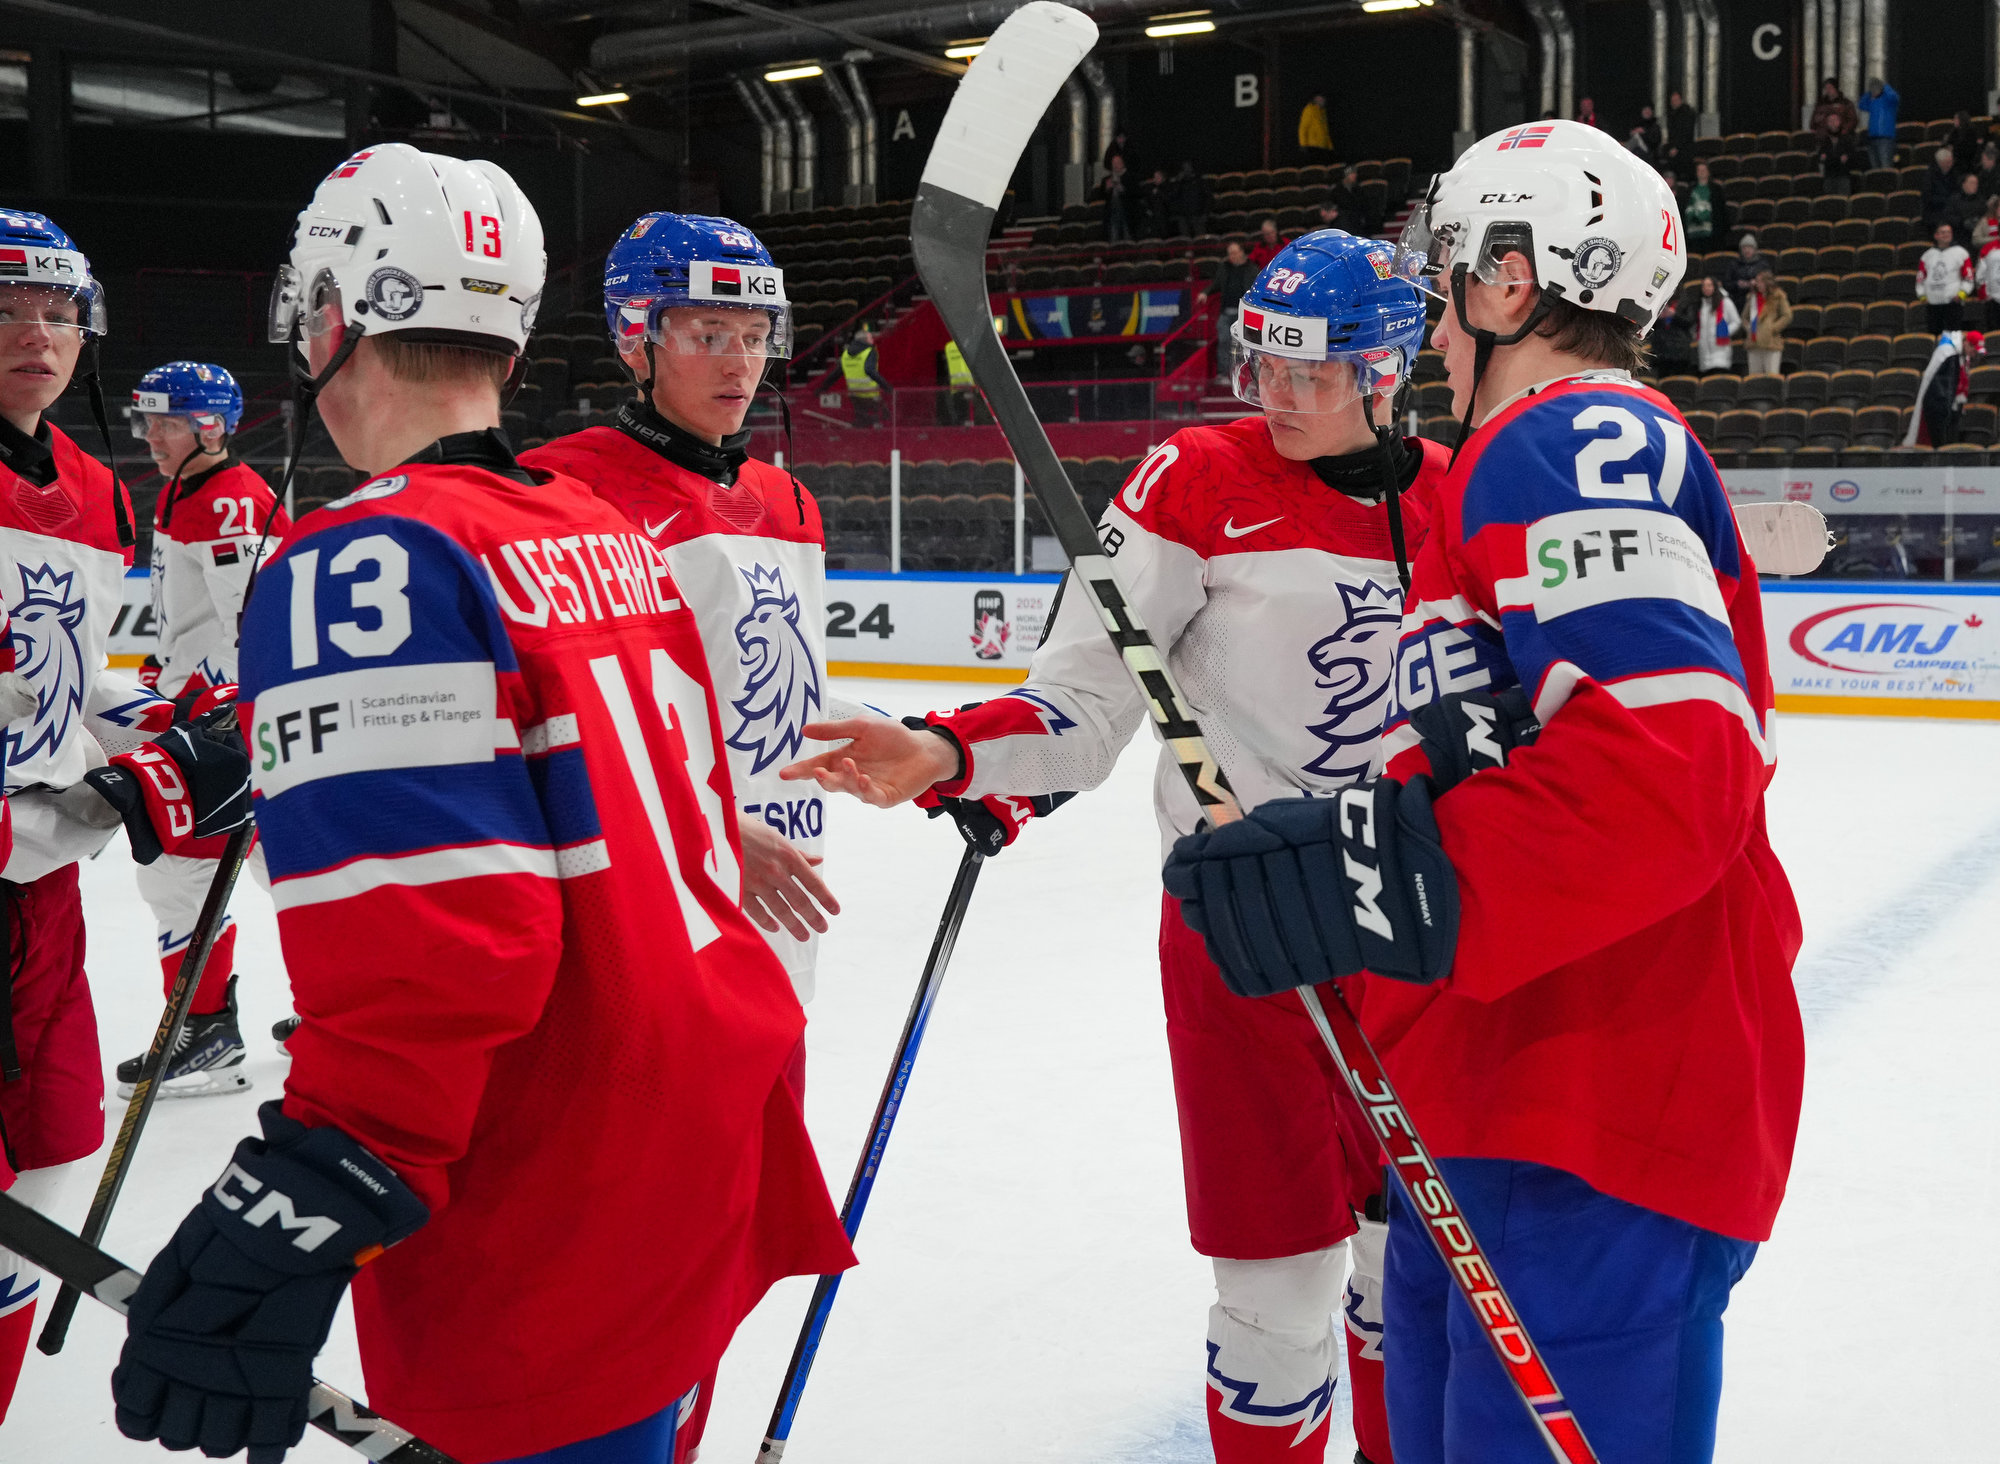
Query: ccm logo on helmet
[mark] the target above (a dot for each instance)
(1506, 198)
(315, 1230)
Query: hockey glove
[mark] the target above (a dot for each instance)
(1471, 731)
(991, 823)
(182, 792)
(198, 699)
(1303, 890)
(221, 1334)
(149, 673)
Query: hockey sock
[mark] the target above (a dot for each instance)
(212, 995)
(1363, 1308)
(20, 1282)
(692, 1420)
(1273, 1363)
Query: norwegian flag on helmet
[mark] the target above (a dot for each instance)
(1535, 134)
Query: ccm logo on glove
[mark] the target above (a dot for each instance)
(277, 1205)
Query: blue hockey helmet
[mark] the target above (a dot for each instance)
(206, 395)
(44, 265)
(1327, 297)
(665, 261)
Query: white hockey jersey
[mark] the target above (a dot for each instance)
(64, 549)
(206, 535)
(1276, 600)
(751, 560)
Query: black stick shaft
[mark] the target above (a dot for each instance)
(180, 1000)
(865, 1168)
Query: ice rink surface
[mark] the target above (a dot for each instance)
(1026, 1289)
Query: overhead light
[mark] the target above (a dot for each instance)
(1375, 7)
(1182, 14)
(1180, 28)
(795, 73)
(965, 52)
(604, 99)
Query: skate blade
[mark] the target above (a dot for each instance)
(198, 1085)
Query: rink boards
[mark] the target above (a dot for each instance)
(1862, 648)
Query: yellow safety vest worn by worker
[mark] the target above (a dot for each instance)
(1313, 131)
(854, 366)
(954, 362)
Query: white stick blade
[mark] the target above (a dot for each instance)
(1783, 538)
(1003, 95)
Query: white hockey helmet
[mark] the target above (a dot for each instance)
(443, 250)
(1599, 226)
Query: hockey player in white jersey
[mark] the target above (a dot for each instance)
(213, 518)
(1265, 557)
(697, 310)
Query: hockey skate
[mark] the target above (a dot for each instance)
(281, 1033)
(208, 1059)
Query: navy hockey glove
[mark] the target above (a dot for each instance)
(183, 791)
(1470, 731)
(222, 1333)
(1303, 890)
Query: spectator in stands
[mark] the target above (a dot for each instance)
(1946, 383)
(1156, 206)
(1839, 155)
(1315, 137)
(1704, 215)
(1268, 242)
(1986, 273)
(1766, 315)
(1331, 217)
(1671, 343)
(1353, 207)
(1118, 147)
(1191, 200)
(1944, 279)
(1649, 134)
(1635, 141)
(1233, 277)
(1835, 103)
(1750, 262)
(1119, 204)
(1879, 104)
(1717, 324)
(861, 370)
(1966, 140)
(1989, 168)
(1987, 230)
(1966, 209)
(1586, 113)
(1680, 132)
(1940, 183)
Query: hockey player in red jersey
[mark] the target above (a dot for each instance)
(495, 804)
(743, 537)
(1577, 941)
(209, 528)
(1264, 557)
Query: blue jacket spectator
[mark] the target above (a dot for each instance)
(1878, 106)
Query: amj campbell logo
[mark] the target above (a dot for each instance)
(1880, 638)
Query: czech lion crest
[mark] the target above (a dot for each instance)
(781, 690)
(1355, 670)
(47, 653)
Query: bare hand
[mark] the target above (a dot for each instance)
(780, 882)
(883, 763)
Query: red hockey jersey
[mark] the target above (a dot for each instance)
(1620, 1005)
(495, 806)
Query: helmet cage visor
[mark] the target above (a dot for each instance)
(151, 406)
(54, 307)
(685, 327)
(1280, 383)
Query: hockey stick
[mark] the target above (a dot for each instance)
(996, 107)
(863, 1183)
(180, 1000)
(81, 1267)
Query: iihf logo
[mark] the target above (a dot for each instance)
(1356, 669)
(47, 654)
(781, 690)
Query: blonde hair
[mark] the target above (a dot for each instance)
(420, 362)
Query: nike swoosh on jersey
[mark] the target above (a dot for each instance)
(653, 530)
(1230, 530)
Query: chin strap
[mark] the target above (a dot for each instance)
(305, 391)
(165, 514)
(785, 421)
(1392, 485)
(1484, 341)
(94, 385)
